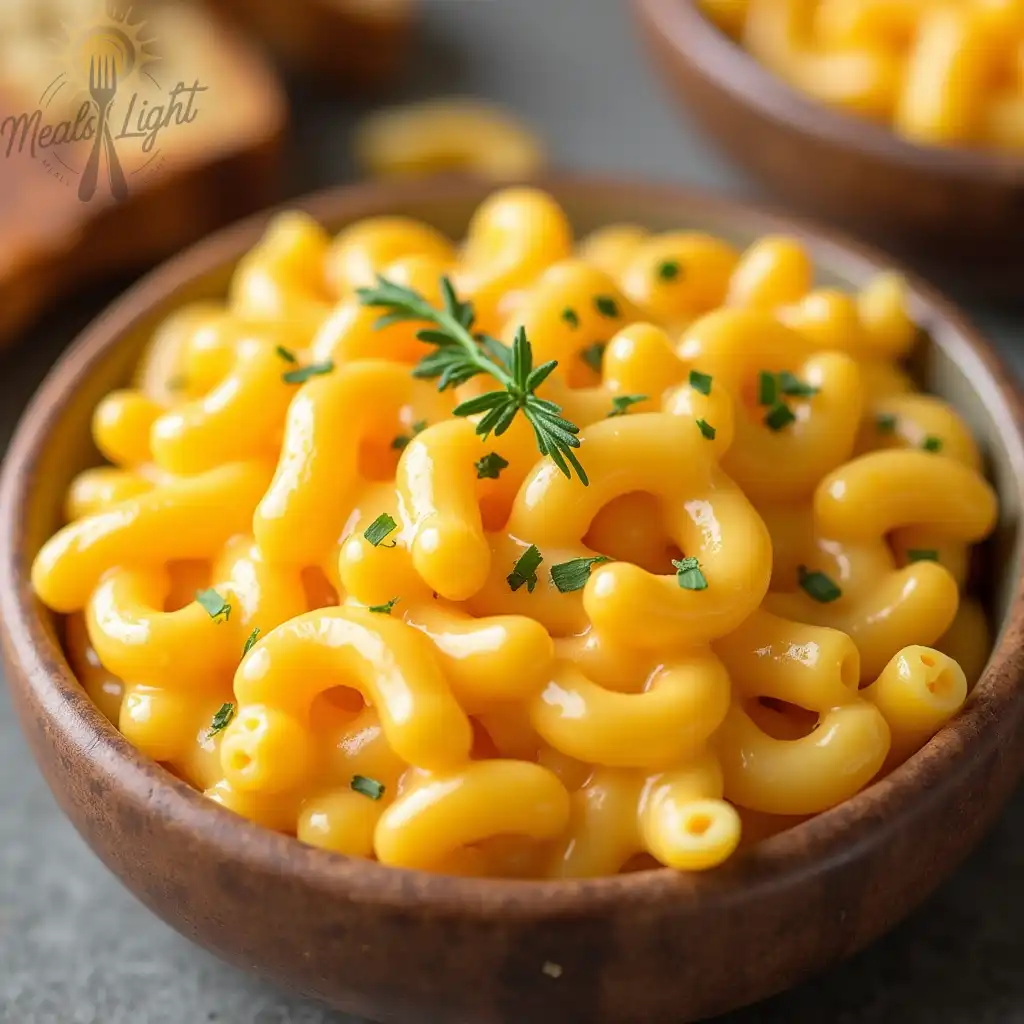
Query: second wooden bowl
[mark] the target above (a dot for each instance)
(653, 947)
(957, 212)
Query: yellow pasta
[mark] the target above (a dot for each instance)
(591, 557)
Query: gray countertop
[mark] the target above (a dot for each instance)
(75, 948)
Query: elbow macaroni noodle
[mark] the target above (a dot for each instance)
(304, 582)
(941, 72)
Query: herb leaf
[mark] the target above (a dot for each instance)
(250, 643)
(221, 720)
(706, 429)
(790, 384)
(689, 575)
(402, 440)
(932, 443)
(700, 382)
(922, 555)
(593, 354)
(606, 305)
(384, 609)
(286, 354)
(818, 585)
(767, 388)
(779, 416)
(668, 270)
(490, 466)
(570, 316)
(367, 786)
(379, 529)
(301, 375)
(459, 357)
(573, 575)
(214, 605)
(525, 569)
(621, 403)
(885, 423)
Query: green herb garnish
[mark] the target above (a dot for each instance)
(368, 787)
(384, 609)
(706, 429)
(700, 382)
(214, 605)
(570, 317)
(221, 720)
(251, 641)
(885, 423)
(932, 443)
(689, 575)
(301, 375)
(767, 388)
(286, 354)
(922, 555)
(790, 384)
(490, 466)
(573, 575)
(593, 354)
(525, 569)
(606, 305)
(668, 270)
(459, 357)
(379, 529)
(621, 403)
(818, 585)
(779, 416)
(402, 441)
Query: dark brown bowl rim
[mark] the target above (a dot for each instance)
(992, 716)
(733, 70)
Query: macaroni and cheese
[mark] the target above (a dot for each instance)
(531, 557)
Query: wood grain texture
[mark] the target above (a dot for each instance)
(656, 947)
(362, 46)
(221, 168)
(955, 211)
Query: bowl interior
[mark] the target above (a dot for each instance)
(947, 363)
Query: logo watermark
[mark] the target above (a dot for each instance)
(104, 108)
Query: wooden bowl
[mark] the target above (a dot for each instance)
(957, 212)
(397, 945)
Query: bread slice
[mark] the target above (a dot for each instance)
(198, 175)
(361, 45)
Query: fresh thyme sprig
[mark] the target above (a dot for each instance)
(460, 355)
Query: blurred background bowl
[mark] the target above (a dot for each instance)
(957, 213)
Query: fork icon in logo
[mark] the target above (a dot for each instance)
(103, 88)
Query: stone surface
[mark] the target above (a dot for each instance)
(75, 948)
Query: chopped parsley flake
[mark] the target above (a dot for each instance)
(524, 572)
(573, 575)
(790, 384)
(384, 609)
(286, 354)
(779, 416)
(767, 388)
(668, 270)
(620, 403)
(221, 720)
(400, 442)
(606, 305)
(706, 429)
(818, 585)
(570, 317)
(251, 641)
(490, 466)
(379, 529)
(214, 605)
(932, 443)
(700, 382)
(593, 354)
(922, 555)
(885, 423)
(368, 787)
(689, 575)
(303, 373)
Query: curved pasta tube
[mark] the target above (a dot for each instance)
(912, 543)
(772, 272)
(187, 518)
(351, 331)
(283, 278)
(317, 479)
(806, 775)
(632, 529)
(883, 308)
(917, 692)
(571, 308)
(640, 360)
(95, 490)
(104, 688)
(362, 251)
(910, 421)
(812, 667)
(389, 663)
(612, 247)
(486, 661)
(672, 720)
(513, 236)
(275, 811)
(827, 318)
(442, 812)
(678, 275)
(735, 347)
(120, 427)
(968, 641)
(706, 515)
(915, 604)
(240, 418)
(876, 493)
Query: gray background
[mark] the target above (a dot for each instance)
(75, 948)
